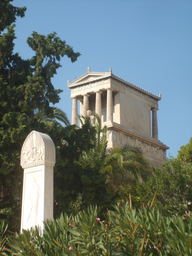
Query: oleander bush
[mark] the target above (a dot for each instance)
(125, 231)
(3, 229)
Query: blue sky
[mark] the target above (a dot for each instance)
(147, 42)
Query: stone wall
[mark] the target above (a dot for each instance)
(153, 153)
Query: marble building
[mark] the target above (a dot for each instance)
(129, 112)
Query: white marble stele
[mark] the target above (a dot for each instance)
(37, 160)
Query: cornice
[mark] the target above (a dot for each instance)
(134, 86)
(98, 76)
(116, 127)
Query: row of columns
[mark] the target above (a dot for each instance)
(98, 106)
(84, 107)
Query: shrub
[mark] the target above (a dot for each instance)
(125, 231)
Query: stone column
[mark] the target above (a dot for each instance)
(154, 124)
(37, 160)
(109, 105)
(81, 110)
(81, 106)
(74, 111)
(85, 104)
(98, 103)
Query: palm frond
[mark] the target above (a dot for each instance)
(60, 115)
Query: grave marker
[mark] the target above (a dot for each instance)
(37, 160)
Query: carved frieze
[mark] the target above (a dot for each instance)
(119, 140)
(88, 86)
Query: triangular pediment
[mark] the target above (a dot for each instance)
(88, 77)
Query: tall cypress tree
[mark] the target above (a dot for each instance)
(26, 97)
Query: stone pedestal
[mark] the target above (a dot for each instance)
(37, 160)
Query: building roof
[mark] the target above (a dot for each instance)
(96, 76)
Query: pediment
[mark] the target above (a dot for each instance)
(89, 77)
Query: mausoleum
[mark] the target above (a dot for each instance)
(129, 112)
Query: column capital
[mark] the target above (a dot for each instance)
(112, 90)
(99, 91)
(86, 94)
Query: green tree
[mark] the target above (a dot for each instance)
(67, 172)
(130, 168)
(185, 152)
(102, 171)
(79, 180)
(173, 184)
(26, 97)
(91, 162)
